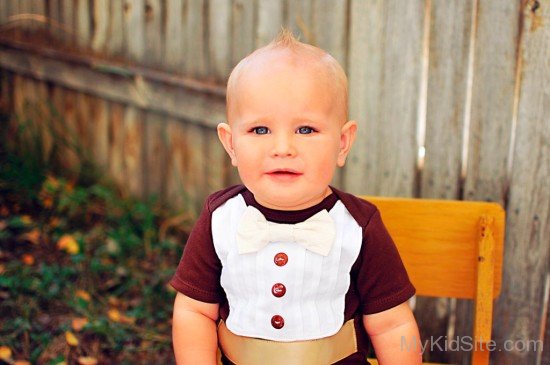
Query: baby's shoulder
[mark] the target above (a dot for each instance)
(361, 210)
(217, 199)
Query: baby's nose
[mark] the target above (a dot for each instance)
(283, 146)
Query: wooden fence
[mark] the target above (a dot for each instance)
(451, 97)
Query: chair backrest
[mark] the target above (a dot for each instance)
(450, 249)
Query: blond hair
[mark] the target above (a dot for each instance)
(285, 40)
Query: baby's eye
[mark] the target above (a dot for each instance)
(260, 130)
(305, 130)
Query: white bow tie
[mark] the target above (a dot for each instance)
(315, 234)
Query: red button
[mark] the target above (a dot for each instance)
(280, 259)
(278, 290)
(277, 322)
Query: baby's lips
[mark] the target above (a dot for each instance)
(284, 171)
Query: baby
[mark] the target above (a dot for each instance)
(286, 269)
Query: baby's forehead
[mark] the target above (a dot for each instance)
(286, 60)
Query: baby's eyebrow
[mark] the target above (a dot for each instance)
(305, 120)
(253, 123)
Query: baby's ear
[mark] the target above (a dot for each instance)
(225, 136)
(347, 136)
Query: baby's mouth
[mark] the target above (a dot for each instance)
(284, 173)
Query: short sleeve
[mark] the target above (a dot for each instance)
(199, 270)
(382, 280)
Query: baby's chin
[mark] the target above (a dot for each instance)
(281, 201)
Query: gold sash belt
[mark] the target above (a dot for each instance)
(243, 350)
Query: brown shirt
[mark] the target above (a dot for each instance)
(378, 280)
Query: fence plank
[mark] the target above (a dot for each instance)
(491, 116)
(6, 92)
(155, 155)
(133, 151)
(83, 23)
(26, 7)
(447, 84)
(399, 97)
(153, 33)
(195, 174)
(43, 119)
(70, 134)
(217, 163)
(330, 28)
(117, 31)
(18, 101)
(54, 11)
(133, 28)
(67, 134)
(186, 166)
(270, 20)
(177, 159)
(39, 7)
(196, 62)
(364, 75)
(26, 113)
(520, 306)
(300, 20)
(4, 12)
(56, 100)
(13, 8)
(242, 30)
(68, 18)
(101, 10)
(390, 96)
(82, 121)
(116, 143)
(219, 47)
(451, 22)
(99, 131)
(174, 39)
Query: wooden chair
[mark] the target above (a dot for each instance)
(451, 249)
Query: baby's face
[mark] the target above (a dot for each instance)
(287, 135)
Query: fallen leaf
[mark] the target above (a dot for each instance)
(54, 222)
(2, 269)
(32, 236)
(62, 363)
(26, 219)
(71, 338)
(69, 187)
(68, 243)
(28, 259)
(47, 202)
(114, 315)
(87, 360)
(82, 294)
(79, 323)
(21, 362)
(114, 301)
(5, 353)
